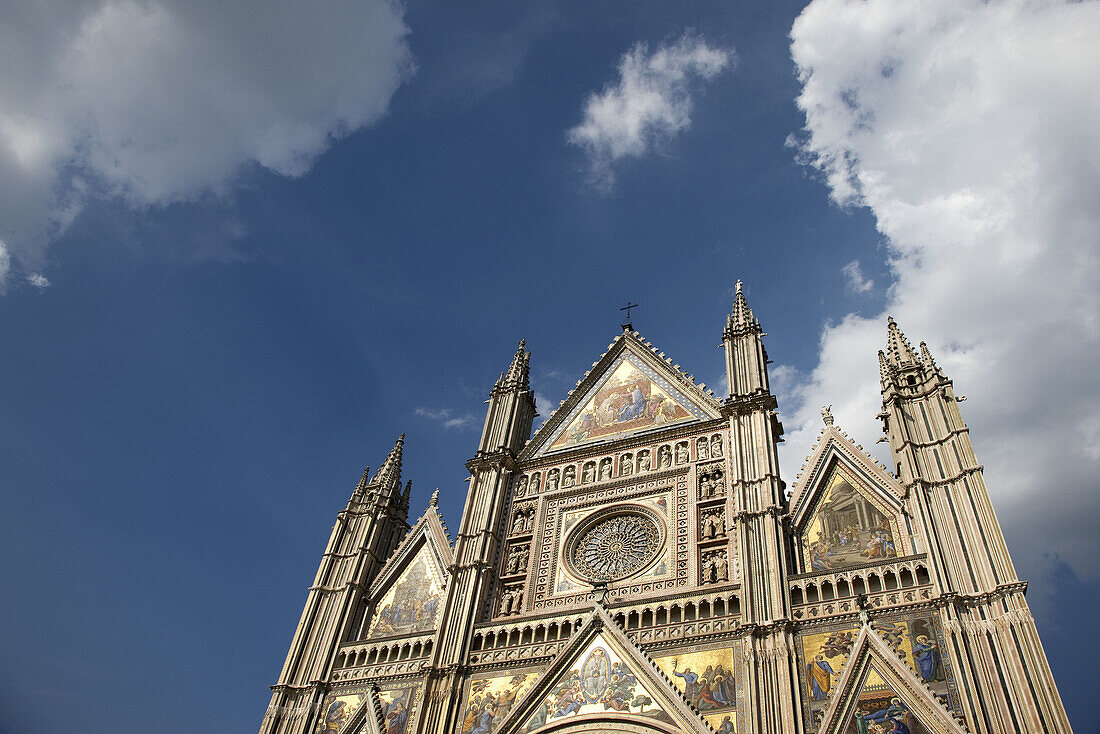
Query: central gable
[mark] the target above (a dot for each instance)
(629, 392)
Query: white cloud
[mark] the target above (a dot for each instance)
(39, 281)
(446, 418)
(972, 131)
(5, 264)
(165, 100)
(650, 101)
(854, 280)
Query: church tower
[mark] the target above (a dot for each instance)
(1005, 682)
(366, 532)
(638, 565)
(759, 506)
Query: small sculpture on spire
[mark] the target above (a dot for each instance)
(741, 317)
(827, 415)
(434, 501)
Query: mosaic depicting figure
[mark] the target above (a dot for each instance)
(601, 682)
(708, 679)
(628, 400)
(847, 529)
(412, 605)
(881, 711)
(397, 709)
(490, 700)
(825, 655)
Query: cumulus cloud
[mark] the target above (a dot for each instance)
(446, 418)
(971, 130)
(650, 101)
(163, 101)
(854, 280)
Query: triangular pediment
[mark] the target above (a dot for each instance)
(632, 389)
(600, 677)
(846, 509)
(407, 594)
(876, 690)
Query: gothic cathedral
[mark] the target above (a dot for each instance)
(638, 565)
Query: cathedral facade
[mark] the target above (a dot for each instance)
(639, 565)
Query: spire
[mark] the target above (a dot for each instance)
(741, 317)
(407, 494)
(926, 356)
(519, 372)
(883, 368)
(390, 473)
(898, 349)
(363, 480)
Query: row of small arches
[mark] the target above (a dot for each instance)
(811, 592)
(627, 464)
(378, 655)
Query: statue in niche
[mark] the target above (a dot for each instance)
(716, 447)
(664, 457)
(643, 460)
(517, 559)
(569, 478)
(626, 465)
(682, 453)
(589, 474)
(710, 484)
(552, 480)
(518, 523)
(605, 469)
(536, 482)
(712, 526)
(511, 601)
(521, 486)
(715, 567)
(702, 449)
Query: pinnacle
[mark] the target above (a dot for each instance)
(434, 501)
(390, 472)
(898, 348)
(742, 316)
(926, 356)
(519, 372)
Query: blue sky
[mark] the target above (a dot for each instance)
(240, 254)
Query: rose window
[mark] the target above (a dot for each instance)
(610, 546)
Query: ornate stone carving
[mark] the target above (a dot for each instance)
(522, 518)
(644, 461)
(702, 448)
(715, 567)
(626, 465)
(682, 453)
(606, 466)
(711, 482)
(569, 477)
(716, 446)
(518, 556)
(612, 547)
(712, 524)
(536, 482)
(664, 457)
(589, 474)
(552, 480)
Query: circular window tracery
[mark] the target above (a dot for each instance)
(613, 545)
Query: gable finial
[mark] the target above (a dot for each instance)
(434, 501)
(628, 326)
(827, 414)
